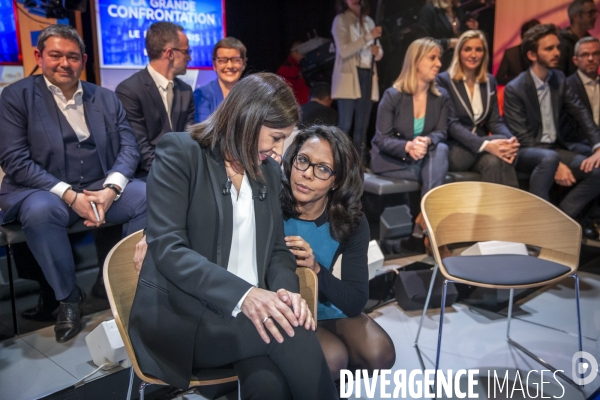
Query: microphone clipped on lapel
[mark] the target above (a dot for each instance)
(227, 187)
(262, 193)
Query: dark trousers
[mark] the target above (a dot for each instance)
(583, 192)
(491, 168)
(45, 218)
(430, 171)
(358, 110)
(541, 163)
(295, 368)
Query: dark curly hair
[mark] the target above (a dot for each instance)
(344, 207)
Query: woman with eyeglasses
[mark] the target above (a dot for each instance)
(229, 62)
(218, 284)
(327, 232)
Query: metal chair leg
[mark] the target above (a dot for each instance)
(535, 357)
(439, 345)
(510, 307)
(142, 388)
(435, 270)
(11, 284)
(131, 375)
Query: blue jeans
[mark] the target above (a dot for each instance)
(358, 110)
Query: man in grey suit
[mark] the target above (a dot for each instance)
(156, 102)
(533, 104)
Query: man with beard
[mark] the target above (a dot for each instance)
(156, 102)
(533, 104)
(582, 16)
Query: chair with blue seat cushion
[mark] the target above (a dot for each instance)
(466, 212)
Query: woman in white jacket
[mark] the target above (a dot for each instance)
(354, 80)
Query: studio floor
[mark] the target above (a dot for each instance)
(34, 366)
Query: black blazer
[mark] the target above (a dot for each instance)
(572, 132)
(513, 63)
(522, 109)
(432, 21)
(147, 114)
(460, 115)
(395, 126)
(184, 275)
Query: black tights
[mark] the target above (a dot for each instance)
(355, 343)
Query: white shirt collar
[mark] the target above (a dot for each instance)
(56, 90)
(586, 80)
(537, 81)
(159, 79)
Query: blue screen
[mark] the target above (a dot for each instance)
(9, 47)
(122, 25)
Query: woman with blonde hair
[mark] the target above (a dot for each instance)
(474, 114)
(411, 121)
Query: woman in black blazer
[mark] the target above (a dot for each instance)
(411, 123)
(441, 20)
(478, 138)
(217, 286)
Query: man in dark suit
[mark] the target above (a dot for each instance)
(533, 103)
(585, 83)
(582, 16)
(156, 102)
(68, 153)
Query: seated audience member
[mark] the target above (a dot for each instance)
(66, 145)
(585, 85)
(218, 285)
(155, 100)
(291, 71)
(318, 110)
(533, 104)
(473, 113)
(514, 60)
(412, 119)
(440, 19)
(229, 62)
(328, 233)
(582, 16)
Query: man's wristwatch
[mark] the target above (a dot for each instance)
(115, 189)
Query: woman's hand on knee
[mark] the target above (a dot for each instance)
(263, 307)
(300, 308)
(140, 253)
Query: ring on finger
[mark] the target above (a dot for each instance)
(265, 319)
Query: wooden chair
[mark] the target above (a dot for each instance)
(120, 279)
(476, 211)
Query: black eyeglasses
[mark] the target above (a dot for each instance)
(224, 60)
(185, 52)
(320, 171)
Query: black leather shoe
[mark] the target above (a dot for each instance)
(44, 311)
(589, 230)
(68, 322)
(98, 290)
